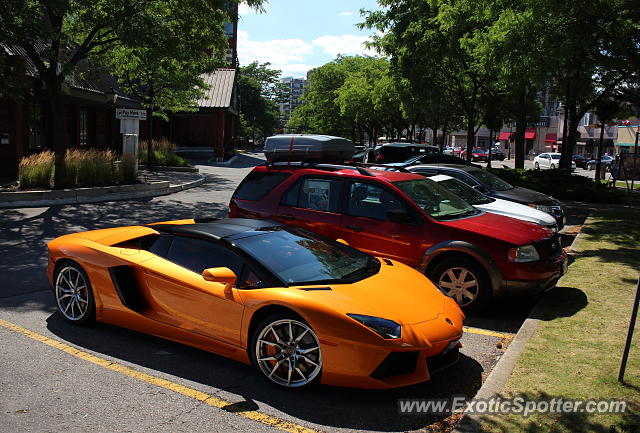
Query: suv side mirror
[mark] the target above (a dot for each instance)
(221, 275)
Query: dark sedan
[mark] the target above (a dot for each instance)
(580, 160)
(605, 161)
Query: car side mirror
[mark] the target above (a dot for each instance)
(342, 241)
(221, 275)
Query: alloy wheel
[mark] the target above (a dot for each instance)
(288, 353)
(460, 284)
(72, 293)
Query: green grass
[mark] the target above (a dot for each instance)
(576, 350)
(163, 154)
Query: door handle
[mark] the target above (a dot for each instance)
(288, 217)
(355, 228)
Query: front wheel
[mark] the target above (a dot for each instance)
(464, 280)
(74, 296)
(553, 166)
(286, 351)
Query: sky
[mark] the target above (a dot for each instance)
(298, 35)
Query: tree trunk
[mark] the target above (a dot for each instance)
(599, 156)
(521, 128)
(490, 148)
(149, 138)
(571, 128)
(57, 115)
(471, 134)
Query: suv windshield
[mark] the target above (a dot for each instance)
(298, 257)
(465, 192)
(491, 180)
(436, 201)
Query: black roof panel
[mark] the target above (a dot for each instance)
(219, 229)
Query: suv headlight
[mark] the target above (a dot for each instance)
(527, 253)
(383, 327)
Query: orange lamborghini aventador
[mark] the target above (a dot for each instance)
(298, 306)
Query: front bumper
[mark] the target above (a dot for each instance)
(550, 271)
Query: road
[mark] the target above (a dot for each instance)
(59, 377)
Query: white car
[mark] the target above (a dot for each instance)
(549, 160)
(495, 205)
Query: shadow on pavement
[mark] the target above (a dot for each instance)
(560, 302)
(23, 238)
(324, 405)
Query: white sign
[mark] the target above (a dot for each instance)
(129, 113)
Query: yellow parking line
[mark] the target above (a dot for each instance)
(147, 378)
(490, 333)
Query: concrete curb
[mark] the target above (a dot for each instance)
(497, 379)
(12, 200)
(169, 168)
(225, 163)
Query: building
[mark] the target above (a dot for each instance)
(296, 87)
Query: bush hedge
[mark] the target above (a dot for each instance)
(562, 185)
(164, 154)
(83, 168)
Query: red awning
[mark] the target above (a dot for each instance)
(530, 134)
(551, 137)
(504, 135)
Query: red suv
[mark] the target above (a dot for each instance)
(470, 254)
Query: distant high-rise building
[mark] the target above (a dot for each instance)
(296, 87)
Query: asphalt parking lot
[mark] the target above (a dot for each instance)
(102, 378)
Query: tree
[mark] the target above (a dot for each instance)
(259, 91)
(161, 60)
(58, 34)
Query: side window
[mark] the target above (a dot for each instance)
(314, 194)
(371, 201)
(161, 245)
(257, 185)
(198, 255)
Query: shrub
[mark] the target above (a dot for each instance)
(83, 168)
(127, 169)
(36, 171)
(561, 184)
(164, 154)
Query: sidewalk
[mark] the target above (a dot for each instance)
(152, 184)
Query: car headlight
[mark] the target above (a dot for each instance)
(527, 253)
(383, 327)
(541, 207)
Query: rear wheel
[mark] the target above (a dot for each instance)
(536, 165)
(464, 280)
(285, 350)
(553, 166)
(74, 296)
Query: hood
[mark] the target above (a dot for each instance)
(510, 230)
(525, 195)
(519, 211)
(397, 292)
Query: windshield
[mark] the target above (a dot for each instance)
(436, 201)
(491, 180)
(465, 192)
(298, 257)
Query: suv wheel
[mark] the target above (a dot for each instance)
(464, 280)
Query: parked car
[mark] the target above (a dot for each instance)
(491, 185)
(430, 158)
(495, 205)
(549, 160)
(580, 160)
(470, 254)
(298, 306)
(605, 161)
(398, 152)
(482, 155)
